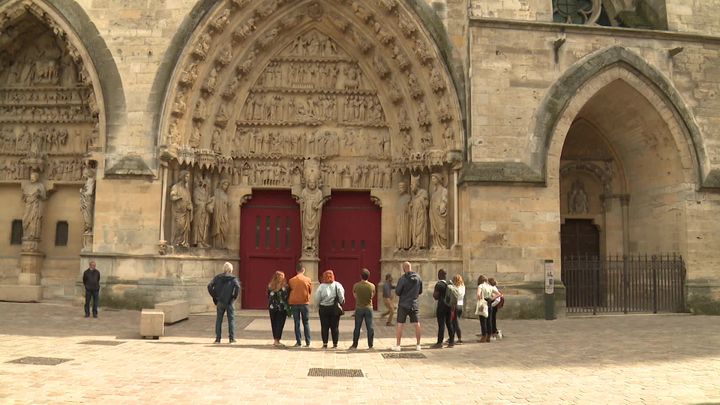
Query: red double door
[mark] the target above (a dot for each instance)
(270, 241)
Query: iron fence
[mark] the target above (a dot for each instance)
(625, 284)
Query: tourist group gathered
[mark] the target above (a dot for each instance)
(292, 298)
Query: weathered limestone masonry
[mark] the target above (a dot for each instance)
(483, 132)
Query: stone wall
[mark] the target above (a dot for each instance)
(696, 16)
(528, 10)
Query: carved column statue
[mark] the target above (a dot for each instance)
(33, 195)
(419, 214)
(201, 198)
(220, 203)
(438, 213)
(87, 206)
(182, 209)
(311, 202)
(404, 241)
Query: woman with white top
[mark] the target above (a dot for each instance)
(460, 284)
(329, 316)
(488, 293)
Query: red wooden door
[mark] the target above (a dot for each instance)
(269, 241)
(350, 240)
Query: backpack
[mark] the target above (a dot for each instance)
(452, 294)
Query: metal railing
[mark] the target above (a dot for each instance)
(625, 284)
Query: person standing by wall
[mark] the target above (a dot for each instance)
(299, 300)
(409, 287)
(91, 281)
(363, 291)
(224, 289)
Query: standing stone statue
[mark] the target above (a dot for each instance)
(201, 220)
(419, 214)
(33, 195)
(578, 201)
(221, 219)
(87, 199)
(182, 209)
(438, 213)
(311, 202)
(404, 241)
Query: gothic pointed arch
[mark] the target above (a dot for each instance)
(562, 93)
(360, 86)
(52, 105)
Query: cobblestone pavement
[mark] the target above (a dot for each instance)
(593, 360)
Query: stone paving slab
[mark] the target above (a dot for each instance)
(591, 360)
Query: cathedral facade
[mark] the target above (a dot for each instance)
(509, 139)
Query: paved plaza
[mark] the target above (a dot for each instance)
(611, 359)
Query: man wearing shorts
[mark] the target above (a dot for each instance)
(408, 288)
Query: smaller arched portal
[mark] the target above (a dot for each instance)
(625, 172)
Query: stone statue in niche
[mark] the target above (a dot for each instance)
(201, 219)
(195, 136)
(221, 214)
(403, 240)
(438, 213)
(182, 209)
(436, 81)
(221, 21)
(311, 202)
(226, 55)
(419, 214)
(203, 45)
(578, 199)
(87, 199)
(244, 30)
(449, 136)
(33, 195)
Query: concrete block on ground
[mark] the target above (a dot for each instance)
(20, 293)
(175, 310)
(152, 323)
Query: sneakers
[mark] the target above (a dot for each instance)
(324, 346)
(395, 348)
(232, 341)
(298, 344)
(437, 346)
(499, 334)
(450, 345)
(493, 337)
(458, 342)
(353, 347)
(216, 341)
(418, 348)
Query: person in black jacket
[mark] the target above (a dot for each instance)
(224, 290)
(443, 312)
(91, 281)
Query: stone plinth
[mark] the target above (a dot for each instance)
(175, 311)
(20, 293)
(311, 265)
(152, 323)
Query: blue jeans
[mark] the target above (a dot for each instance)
(221, 309)
(363, 314)
(94, 295)
(304, 312)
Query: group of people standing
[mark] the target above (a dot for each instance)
(292, 298)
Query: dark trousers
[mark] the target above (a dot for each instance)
(363, 314)
(493, 319)
(444, 316)
(94, 295)
(301, 311)
(486, 323)
(221, 309)
(329, 322)
(277, 321)
(456, 321)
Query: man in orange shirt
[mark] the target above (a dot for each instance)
(299, 301)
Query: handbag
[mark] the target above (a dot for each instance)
(481, 308)
(339, 311)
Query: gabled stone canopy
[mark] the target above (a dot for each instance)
(360, 85)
